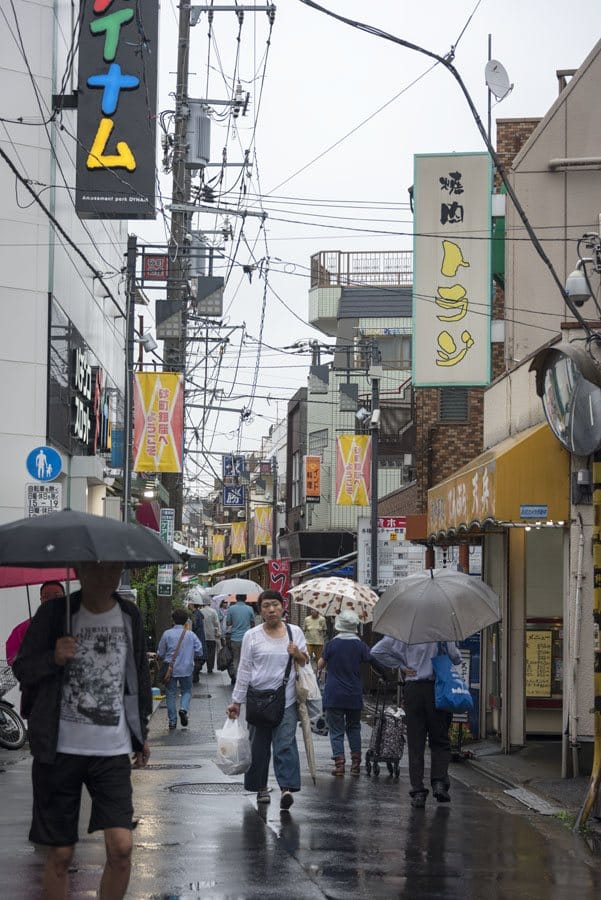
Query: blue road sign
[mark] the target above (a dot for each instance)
(44, 464)
(234, 495)
(233, 466)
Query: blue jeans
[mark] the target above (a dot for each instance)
(286, 764)
(185, 686)
(341, 721)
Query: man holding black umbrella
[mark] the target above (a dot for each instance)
(90, 701)
(422, 717)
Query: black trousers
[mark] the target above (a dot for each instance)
(424, 720)
(210, 648)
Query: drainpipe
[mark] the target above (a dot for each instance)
(570, 732)
(593, 788)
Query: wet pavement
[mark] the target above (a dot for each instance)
(201, 836)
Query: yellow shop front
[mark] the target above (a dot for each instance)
(514, 499)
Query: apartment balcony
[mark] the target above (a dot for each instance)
(364, 280)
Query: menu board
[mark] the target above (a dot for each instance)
(539, 654)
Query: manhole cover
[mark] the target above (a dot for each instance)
(173, 766)
(207, 789)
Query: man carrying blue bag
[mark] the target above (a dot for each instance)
(422, 718)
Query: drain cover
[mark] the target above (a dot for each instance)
(533, 801)
(201, 696)
(173, 766)
(208, 789)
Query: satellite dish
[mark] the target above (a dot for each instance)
(497, 79)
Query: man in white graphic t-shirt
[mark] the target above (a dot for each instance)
(90, 701)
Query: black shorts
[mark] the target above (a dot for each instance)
(57, 796)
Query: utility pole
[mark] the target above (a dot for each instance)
(175, 348)
(130, 307)
(274, 502)
(374, 429)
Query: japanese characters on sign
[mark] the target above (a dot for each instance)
(41, 499)
(165, 570)
(353, 470)
(234, 495)
(466, 498)
(452, 282)
(312, 479)
(397, 557)
(116, 112)
(158, 422)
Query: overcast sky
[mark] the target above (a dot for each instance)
(321, 79)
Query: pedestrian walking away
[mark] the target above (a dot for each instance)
(179, 647)
(240, 617)
(212, 631)
(198, 627)
(89, 703)
(266, 650)
(315, 628)
(422, 719)
(343, 692)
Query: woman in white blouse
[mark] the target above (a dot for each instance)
(263, 659)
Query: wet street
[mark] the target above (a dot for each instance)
(201, 836)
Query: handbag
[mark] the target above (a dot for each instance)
(308, 690)
(166, 670)
(266, 708)
(451, 693)
(224, 658)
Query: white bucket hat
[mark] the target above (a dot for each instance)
(347, 620)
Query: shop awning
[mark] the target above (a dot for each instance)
(523, 479)
(236, 568)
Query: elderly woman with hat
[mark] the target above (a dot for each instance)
(343, 693)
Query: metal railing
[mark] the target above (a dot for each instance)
(336, 268)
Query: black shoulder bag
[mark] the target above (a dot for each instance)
(266, 708)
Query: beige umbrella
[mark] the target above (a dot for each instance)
(303, 714)
(331, 595)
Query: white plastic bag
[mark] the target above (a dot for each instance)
(233, 748)
(306, 680)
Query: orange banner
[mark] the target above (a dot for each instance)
(312, 479)
(158, 422)
(353, 470)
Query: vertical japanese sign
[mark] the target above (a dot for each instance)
(116, 111)
(279, 576)
(239, 538)
(165, 571)
(353, 470)
(312, 479)
(158, 422)
(452, 270)
(218, 547)
(262, 525)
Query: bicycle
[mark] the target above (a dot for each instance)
(12, 728)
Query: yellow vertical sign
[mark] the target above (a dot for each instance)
(239, 538)
(218, 544)
(262, 525)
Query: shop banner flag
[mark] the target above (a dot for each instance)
(218, 547)
(279, 576)
(312, 479)
(239, 537)
(158, 422)
(262, 525)
(353, 470)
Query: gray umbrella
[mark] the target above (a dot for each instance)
(436, 605)
(235, 586)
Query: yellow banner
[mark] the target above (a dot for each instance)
(239, 537)
(158, 422)
(353, 470)
(218, 544)
(262, 525)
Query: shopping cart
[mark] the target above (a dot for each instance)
(388, 732)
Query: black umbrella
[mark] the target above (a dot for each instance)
(68, 537)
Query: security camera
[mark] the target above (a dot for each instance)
(362, 415)
(375, 419)
(576, 285)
